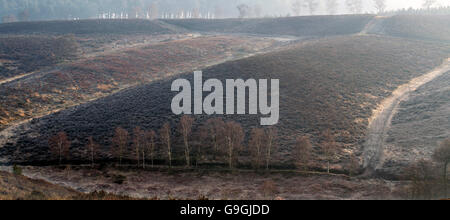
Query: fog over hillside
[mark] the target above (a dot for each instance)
(24, 10)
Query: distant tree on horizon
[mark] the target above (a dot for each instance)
(312, 6)
(427, 4)
(244, 10)
(153, 11)
(297, 7)
(380, 5)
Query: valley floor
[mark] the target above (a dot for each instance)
(219, 185)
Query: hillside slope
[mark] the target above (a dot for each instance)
(296, 26)
(126, 26)
(421, 27)
(329, 84)
(94, 77)
(16, 187)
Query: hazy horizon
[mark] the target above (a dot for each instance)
(69, 9)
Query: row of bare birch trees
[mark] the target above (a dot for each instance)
(214, 142)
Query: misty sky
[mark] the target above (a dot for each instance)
(68, 9)
(396, 4)
(284, 5)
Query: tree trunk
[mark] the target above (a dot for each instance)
(445, 180)
(269, 152)
(143, 159)
(187, 152)
(60, 154)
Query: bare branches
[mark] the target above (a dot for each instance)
(244, 10)
(329, 148)
(271, 138)
(297, 6)
(59, 146)
(165, 135)
(150, 147)
(256, 147)
(186, 130)
(427, 4)
(303, 148)
(442, 155)
(120, 143)
(92, 149)
(138, 143)
(234, 136)
(312, 6)
(380, 5)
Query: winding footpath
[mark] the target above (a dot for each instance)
(380, 122)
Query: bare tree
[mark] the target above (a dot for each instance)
(212, 134)
(442, 155)
(312, 6)
(256, 149)
(244, 10)
(92, 149)
(423, 181)
(60, 146)
(165, 135)
(329, 148)
(427, 4)
(332, 6)
(297, 6)
(271, 138)
(218, 11)
(186, 123)
(234, 136)
(354, 6)
(9, 19)
(195, 13)
(24, 15)
(303, 148)
(150, 147)
(120, 143)
(153, 11)
(353, 165)
(138, 143)
(380, 5)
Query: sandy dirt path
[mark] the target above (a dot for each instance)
(14, 78)
(380, 122)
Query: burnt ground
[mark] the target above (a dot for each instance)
(422, 122)
(340, 95)
(218, 185)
